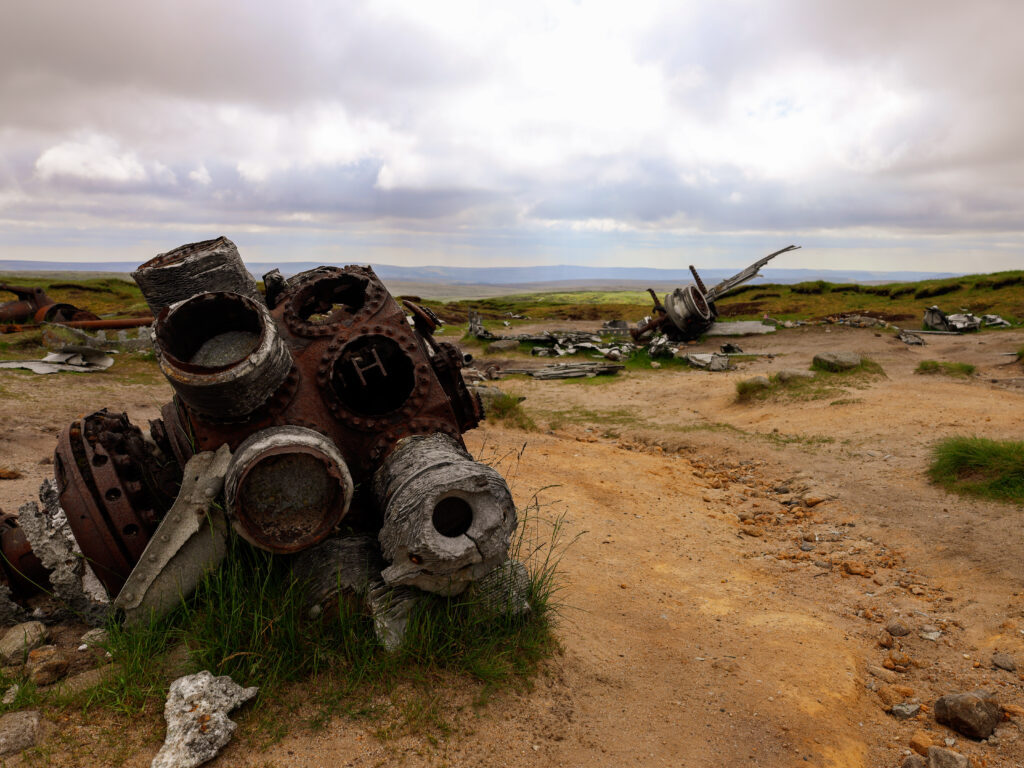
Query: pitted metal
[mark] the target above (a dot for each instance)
(311, 392)
(341, 296)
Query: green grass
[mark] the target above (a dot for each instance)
(248, 619)
(509, 411)
(980, 467)
(932, 367)
(867, 367)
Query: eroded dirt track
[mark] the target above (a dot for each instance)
(691, 636)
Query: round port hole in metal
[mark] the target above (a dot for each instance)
(373, 376)
(331, 298)
(452, 516)
(212, 331)
(286, 499)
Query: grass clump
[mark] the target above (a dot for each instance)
(866, 367)
(249, 619)
(978, 466)
(932, 367)
(759, 386)
(508, 409)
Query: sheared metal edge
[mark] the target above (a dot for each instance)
(190, 541)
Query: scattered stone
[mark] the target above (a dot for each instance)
(837, 361)
(1005, 661)
(83, 681)
(196, 712)
(975, 714)
(905, 710)
(885, 640)
(897, 628)
(1014, 711)
(913, 761)
(752, 530)
(940, 757)
(46, 665)
(789, 374)
(897, 660)
(10, 695)
(806, 546)
(97, 636)
(503, 345)
(18, 731)
(933, 635)
(920, 742)
(20, 639)
(882, 674)
(655, 364)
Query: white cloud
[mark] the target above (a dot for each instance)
(200, 175)
(93, 157)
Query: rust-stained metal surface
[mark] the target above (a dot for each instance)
(20, 569)
(358, 373)
(114, 489)
(34, 305)
(690, 310)
(311, 389)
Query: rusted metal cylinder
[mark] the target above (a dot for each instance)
(20, 569)
(211, 265)
(222, 353)
(447, 519)
(287, 488)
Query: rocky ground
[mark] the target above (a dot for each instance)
(771, 583)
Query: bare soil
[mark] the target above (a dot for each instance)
(690, 636)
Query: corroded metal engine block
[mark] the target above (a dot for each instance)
(315, 388)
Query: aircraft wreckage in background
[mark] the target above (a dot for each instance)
(690, 311)
(319, 404)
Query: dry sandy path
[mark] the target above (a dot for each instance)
(686, 641)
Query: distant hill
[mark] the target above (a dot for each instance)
(551, 277)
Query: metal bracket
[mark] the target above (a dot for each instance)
(190, 541)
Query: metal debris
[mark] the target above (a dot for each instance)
(69, 359)
(569, 370)
(448, 520)
(690, 311)
(328, 403)
(190, 541)
(711, 362)
(911, 339)
(33, 305)
(937, 320)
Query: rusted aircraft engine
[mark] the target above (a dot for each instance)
(337, 406)
(33, 305)
(689, 311)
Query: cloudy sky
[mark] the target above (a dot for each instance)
(882, 134)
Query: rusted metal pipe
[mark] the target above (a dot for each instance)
(287, 488)
(211, 265)
(222, 353)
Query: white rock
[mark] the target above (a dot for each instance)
(196, 712)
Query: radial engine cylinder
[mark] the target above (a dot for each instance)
(222, 353)
(287, 488)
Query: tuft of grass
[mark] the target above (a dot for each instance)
(749, 389)
(509, 410)
(248, 619)
(867, 367)
(932, 367)
(978, 466)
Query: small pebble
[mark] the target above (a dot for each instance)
(83, 647)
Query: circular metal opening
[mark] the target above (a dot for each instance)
(288, 499)
(700, 304)
(452, 516)
(373, 376)
(212, 331)
(329, 299)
